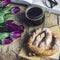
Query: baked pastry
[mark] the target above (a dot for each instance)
(43, 43)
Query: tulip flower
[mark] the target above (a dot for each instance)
(9, 21)
(20, 28)
(6, 2)
(15, 9)
(11, 26)
(7, 41)
(15, 34)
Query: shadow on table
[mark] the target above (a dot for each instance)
(23, 20)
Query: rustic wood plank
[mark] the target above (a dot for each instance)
(50, 19)
(59, 19)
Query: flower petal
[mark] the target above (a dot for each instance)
(15, 34)
(9, 21)
(7, 41)
(15, 9)
(21, 28)
(6, 2)
(11, 26)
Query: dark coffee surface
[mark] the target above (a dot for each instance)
(34, 12)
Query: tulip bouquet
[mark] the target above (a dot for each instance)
(8, 29)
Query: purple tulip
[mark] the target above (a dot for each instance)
(21, 28)
(15, 9)
(12, 27)
(9, 22)
(6, 2)
(7, 41)
(15, 34)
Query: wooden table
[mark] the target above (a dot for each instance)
(50, 20)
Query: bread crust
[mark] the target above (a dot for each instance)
(39, 50)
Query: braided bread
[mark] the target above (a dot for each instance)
(43, 43)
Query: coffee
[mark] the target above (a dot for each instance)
(34, 12)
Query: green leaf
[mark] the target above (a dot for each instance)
(4, 35)
(3, 29)
(0, 42)
(1, 19)
(2, 26)
(6, 9)
(1, 14)
(7, 17)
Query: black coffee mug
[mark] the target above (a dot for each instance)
(35, 15)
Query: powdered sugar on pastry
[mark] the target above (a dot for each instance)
(38, 39)
(48, 37)
(42, 45)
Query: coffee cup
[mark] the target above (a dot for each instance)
(35, 15)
